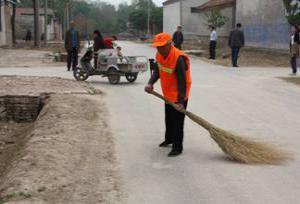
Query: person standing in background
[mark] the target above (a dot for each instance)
(213, 43)
(236, 41)
(98, 45)
(178, 38)
(294, 48)
(28, 36)
(72, 45)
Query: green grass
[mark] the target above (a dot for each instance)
(8, 197)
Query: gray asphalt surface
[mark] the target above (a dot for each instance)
(251, 101)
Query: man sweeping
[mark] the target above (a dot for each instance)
(175, 77)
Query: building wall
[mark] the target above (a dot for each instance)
(8, 30)
(171, 17)
(264, 23)
(196, 23)
(5, 33)
(2, 31)
(26, 22)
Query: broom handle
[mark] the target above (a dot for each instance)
(197, 119)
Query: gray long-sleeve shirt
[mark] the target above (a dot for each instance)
(180, 71)
(236, 38)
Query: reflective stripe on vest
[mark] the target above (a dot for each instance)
(165, 69)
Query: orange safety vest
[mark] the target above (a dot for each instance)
(168, 78)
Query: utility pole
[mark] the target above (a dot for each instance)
(148, 19)
(13, 21)
(37, 37)
(46, 22)
(67, 14)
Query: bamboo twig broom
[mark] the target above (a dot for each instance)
(238, 148)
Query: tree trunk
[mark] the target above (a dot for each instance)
(37, 37)
(46, 22)
(13, 23)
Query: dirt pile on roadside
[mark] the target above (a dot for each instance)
(16, 85)
(68, 155)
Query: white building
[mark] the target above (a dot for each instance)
(263, 21)
(191, 15)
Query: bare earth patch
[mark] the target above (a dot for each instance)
(294, 80)
(11, 85)
(66, 156)
(26, 58)
(249, 57)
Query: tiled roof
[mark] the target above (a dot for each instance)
(29, 11)
(170, 2)
(213, 4)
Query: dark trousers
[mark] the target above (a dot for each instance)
(95, 60)
(72, 59)
(235, 55)
(178, 45)
(294, 64)
(212, 49)
(174, 126)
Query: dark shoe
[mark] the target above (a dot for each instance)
(165, 144)
(236, 66)
(174, 153)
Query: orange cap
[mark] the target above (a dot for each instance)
(162, 39)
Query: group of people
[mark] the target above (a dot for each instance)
(236, 41)
(72, 45)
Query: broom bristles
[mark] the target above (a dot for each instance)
(243, 149)
(247, 151)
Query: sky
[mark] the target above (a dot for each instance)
(116, 2)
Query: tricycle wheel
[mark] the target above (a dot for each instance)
(131, 77)
(113, 76)
(80, 74)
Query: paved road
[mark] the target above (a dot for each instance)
(248, 100)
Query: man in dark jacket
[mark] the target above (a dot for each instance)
(72, 45)
(178, 38)
(235, 42)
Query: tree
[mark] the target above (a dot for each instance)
(292, 11)
(36, 23)
(157, 19)
(139, 16)
(123, 13)
(13, 22)
(215, 18)
(138, 19)
(25, 3)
